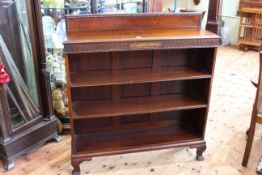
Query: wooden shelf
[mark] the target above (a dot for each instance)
(247, 25)
(124, 141)
(250, 42)
(250, 10)
(130, 76)
(139, 105)
(254, 26)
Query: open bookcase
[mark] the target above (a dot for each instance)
(138, 82)
(250, 27)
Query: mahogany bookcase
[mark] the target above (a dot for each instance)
(138, 82)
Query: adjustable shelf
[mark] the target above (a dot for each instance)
(140, 75)
(138, 105)
(138, 83)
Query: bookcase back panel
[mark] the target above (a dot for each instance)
(91, 93)
(197, 118)
(174, 58)
(202, 59)
(136, 90)
(131, 119)
(90, 62)
(93, 123)
(207, 59)
(194, 58)
(196, 88)
(173, 87)
(138, 59)
(200, 89)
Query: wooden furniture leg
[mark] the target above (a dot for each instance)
(9, 164)
(200, 151)
(255, 118)
(76, 165)
(250, 135)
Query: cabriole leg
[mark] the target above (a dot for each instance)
(76, 165)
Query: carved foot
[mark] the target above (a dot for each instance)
(200, 158)
(76, 165)
(200, 151)
(75, 172)
(9, 164)
(76, 168)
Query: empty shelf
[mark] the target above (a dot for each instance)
(116, 142)
(130, 76)
(139, 105)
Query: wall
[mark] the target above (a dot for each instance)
(229, 11)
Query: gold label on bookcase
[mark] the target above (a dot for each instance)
(145, 45)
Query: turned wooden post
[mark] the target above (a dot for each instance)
(214, 22)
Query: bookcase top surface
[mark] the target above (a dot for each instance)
(136, 35)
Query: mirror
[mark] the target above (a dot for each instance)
(17, 56)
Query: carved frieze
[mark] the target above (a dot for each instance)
(140, 45)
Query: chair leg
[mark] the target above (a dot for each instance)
(251, 133)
